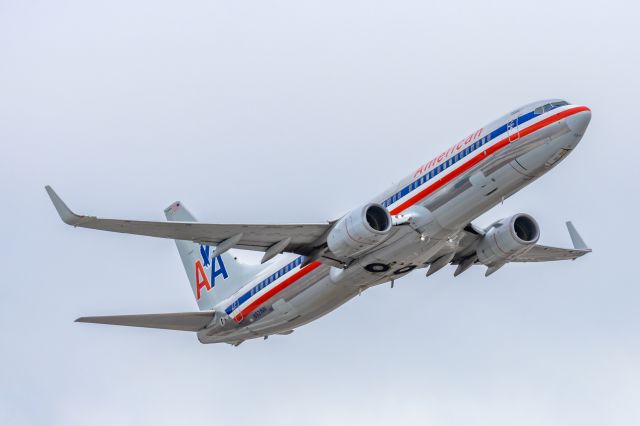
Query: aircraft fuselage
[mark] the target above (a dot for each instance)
(446, 193)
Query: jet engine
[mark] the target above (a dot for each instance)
(360, 230)
(506, 238)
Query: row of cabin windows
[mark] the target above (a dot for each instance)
(414, 185)
(437, 170)
(276, 275)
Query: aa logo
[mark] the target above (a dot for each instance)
(217, 268)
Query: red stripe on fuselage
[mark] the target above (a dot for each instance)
(482, 155)
(276, 289)
(418, 197)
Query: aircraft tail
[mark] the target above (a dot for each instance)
(212, 280)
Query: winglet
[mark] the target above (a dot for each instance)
(65, 212)
(576, 239)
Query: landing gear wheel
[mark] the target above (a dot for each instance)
(377, 267)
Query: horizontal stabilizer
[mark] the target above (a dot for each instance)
(184, 321)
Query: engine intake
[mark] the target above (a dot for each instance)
(360, 230)
(508, 237)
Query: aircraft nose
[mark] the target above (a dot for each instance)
(578, 122)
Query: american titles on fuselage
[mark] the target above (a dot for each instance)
(446, 154)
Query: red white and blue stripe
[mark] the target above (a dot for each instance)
(445, 171)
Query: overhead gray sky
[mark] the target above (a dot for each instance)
(287, 111)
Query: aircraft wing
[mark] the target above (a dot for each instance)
(466, 255)
(540, 253)
(304, 239)
(184, 321)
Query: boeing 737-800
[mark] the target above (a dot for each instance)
(309, 270)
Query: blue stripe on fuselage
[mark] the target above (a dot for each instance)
(414, 185)
(267, 282)
(459, 156)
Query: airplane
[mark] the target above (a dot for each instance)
(425, 221)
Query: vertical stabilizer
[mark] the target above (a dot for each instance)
(212, 279)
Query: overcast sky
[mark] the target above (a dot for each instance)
(289, 111)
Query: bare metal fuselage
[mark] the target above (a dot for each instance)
(452, 198)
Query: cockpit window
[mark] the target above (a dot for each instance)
(548, 107)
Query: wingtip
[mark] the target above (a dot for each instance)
(576, 239)
(67, 216)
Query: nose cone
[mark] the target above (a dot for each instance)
(578, 122)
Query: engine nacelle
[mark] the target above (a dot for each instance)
(506, 238)
(360, 230)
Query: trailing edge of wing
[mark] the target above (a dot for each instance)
(301, 238)
(183, 321)
(540, 253)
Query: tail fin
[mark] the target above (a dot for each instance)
(212, 280)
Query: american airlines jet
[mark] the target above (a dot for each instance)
(425, 221)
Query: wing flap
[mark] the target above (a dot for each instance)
(540, 253)
(183, 321)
